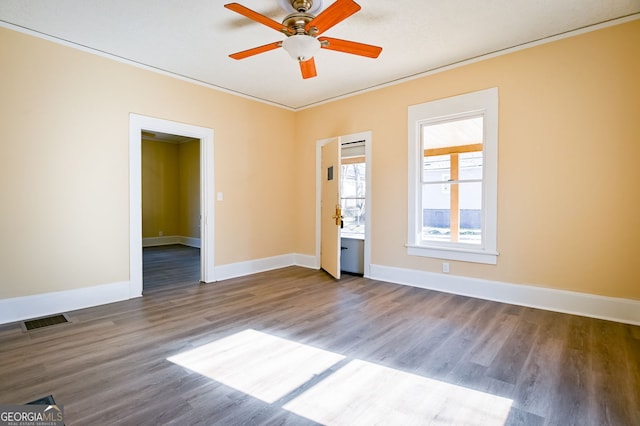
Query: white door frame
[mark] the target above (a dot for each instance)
(367, 138)
(138, 123)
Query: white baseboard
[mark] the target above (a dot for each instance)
(169, 240)
(306, 261)
(607, 308)
(160, 241)
(588, 305)
(189, 241)
(240, 269)
(39, 305)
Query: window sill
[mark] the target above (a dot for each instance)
(352, 236)
(462, 254)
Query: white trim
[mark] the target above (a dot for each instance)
(450, 253)
(483, 102)
(528, 45)
(170, 240)
(190, 242)
(602, 307)
(249, 267)
(306, 261)
(465, 62)
(588, 305)
(138, 123)
(207, 207)
(39, 305)
(160, 241)
(135, 64)
(426, 73)
(368, 153)
(366, 136)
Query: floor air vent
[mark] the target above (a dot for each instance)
(38, 323)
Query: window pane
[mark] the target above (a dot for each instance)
(352, 193)
(464, 224)
(352, 180)
(466, 131)
(436, 213)
(436, 168)
(353, 213)
(470, 165)
(470, 213)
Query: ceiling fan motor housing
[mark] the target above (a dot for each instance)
(296, 23)
(302, 5)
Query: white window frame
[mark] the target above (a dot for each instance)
(485, 103)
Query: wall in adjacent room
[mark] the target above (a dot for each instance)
(189, 189)
(170, 189)
(160, 189)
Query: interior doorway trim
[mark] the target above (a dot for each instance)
(355, 137)
(138, 123)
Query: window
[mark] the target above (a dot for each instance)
(452, 153)
(453, 148)
(352, 196)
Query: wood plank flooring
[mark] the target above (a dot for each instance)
(256, 350)
(172, 266)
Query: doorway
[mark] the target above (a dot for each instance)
(356, 148)
(137, 125)
(170, 210)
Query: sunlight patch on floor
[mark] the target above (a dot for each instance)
(362, 393)
(259, 364)
(357, 393)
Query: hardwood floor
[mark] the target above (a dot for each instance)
(171, 265)
(295, 347)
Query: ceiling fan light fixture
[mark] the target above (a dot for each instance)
(301, 47)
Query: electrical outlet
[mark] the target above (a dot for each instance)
(160, 233)
(445, 267)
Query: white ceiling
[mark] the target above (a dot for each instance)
(193, 38)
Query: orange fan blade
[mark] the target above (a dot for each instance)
(245, 11)
(308, 68)
(337, 12)
(352, 47)
(256, 50)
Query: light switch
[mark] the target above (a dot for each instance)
(220, 196)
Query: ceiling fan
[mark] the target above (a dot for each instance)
(302, 30)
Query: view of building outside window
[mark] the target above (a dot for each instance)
(352, 199)
(452, 181)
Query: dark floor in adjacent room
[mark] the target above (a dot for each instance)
(170, 265)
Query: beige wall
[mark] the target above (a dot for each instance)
(64, 173)
(170, 189)
(160, 189)
(189, 189)
(568, 198)
(569, 144)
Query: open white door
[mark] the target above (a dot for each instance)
(330, 212)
